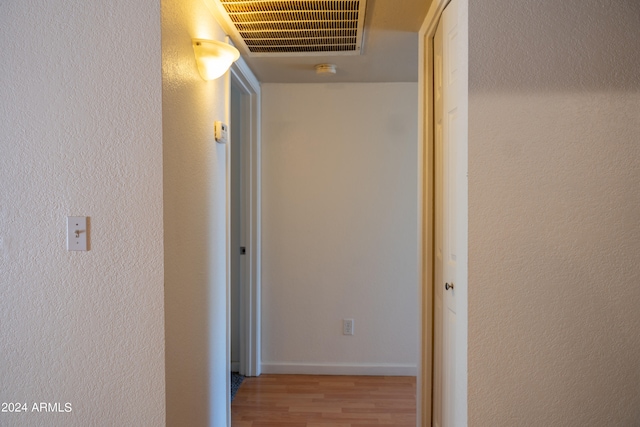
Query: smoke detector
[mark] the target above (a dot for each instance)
(294, 27)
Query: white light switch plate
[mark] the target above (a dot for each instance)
(77, 233)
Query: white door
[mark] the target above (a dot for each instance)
(437, 230)
(236, 227)
(449, 376)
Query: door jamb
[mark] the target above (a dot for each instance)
(244, 79)
(425, 197)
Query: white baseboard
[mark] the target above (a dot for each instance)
(339, 369)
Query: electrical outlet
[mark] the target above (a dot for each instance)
(347, 326)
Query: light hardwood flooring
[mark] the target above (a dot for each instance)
(325, 401)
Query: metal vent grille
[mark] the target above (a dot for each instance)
(296, 27)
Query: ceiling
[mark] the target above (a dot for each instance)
(390, 52)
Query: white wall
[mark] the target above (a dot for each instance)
(195, 193)
(339, 227)
(554, 213)
(80, 134)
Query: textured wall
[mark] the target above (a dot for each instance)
(339, 227)
(80, 134)
(195, 223)
(554, 213)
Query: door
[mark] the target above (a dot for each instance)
(449, 361)
(236, 227)
(438, 263)
(244, 224)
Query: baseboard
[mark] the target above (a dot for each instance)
(339, 369)
(235, 366)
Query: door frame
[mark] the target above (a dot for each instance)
(243, 79)
(426, 203)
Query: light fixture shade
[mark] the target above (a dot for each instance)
(213, 57)
(325, 69)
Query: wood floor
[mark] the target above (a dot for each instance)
(325, 401)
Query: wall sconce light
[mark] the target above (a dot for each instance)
(325, 69)
(213, 57)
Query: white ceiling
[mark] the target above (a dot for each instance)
(390, 52)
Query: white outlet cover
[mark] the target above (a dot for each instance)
(347, 326)
(77, 233)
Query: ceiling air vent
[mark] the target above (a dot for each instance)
(295, 28)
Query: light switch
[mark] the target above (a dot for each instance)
(77, 233)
